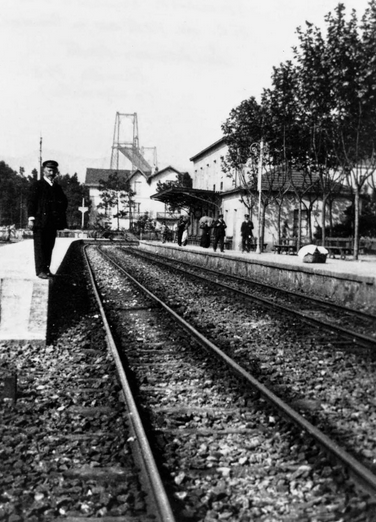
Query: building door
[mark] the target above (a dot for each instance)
(304, 223)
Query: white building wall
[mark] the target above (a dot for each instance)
(233, 211)
(140, 186)
(164, 176)
(208, 174)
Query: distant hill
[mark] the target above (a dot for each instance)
(67, 164)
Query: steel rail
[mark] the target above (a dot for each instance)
(145, 456)
(364, 340)
(362, 475)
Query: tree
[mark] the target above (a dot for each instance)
(242, 128)
(243, 133)
(183, 179)
(13, 196)
(175, 204)
(75, 192)
(337, 78)
(319, 117)
(116, 193)
(286, 139)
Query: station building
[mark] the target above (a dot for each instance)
(214, 190)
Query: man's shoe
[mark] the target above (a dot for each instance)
(43, 275)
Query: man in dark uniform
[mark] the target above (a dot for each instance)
(246, 233)
(219, 232)
(47, 205)
(183, 225)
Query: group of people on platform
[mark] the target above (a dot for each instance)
(219, 233)
(207, 226)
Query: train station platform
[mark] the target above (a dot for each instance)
(346, 281)
(23, 296)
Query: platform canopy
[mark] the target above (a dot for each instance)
(189, 198)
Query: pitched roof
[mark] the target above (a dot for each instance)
(298, 180)
(93, 176)
(216, 145)
(158, 172)
(140, 172)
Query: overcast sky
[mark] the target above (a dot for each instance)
(68, 66)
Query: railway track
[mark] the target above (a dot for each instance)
(189, 402)
(158, 503)
(354, 325)
(312, 370)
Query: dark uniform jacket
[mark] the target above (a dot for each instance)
(219, 228)
(48, 205)
(246, 229)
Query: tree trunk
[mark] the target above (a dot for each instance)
(299, 226)
(330, 207)
(323, 220)
(309, 222)
(356, 222)
(263, 226)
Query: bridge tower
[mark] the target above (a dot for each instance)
(126, 142)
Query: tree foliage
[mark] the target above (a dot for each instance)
(76, 193)
(183, 179)
(319, 116)
(13, 196)
(115, 193)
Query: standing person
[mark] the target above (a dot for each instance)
(205, 237)
(219, 233)
(164, 232)
(47, 205)
(246, 233)
(285, 232)
(181, 227)
(174, 233)
(184, 239)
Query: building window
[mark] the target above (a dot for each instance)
(304, 223)
(213, 188)
(221, 185)
(135, 186)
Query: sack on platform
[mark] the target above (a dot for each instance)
(315, 257)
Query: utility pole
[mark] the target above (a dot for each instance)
(40, 158)
(259, 180)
